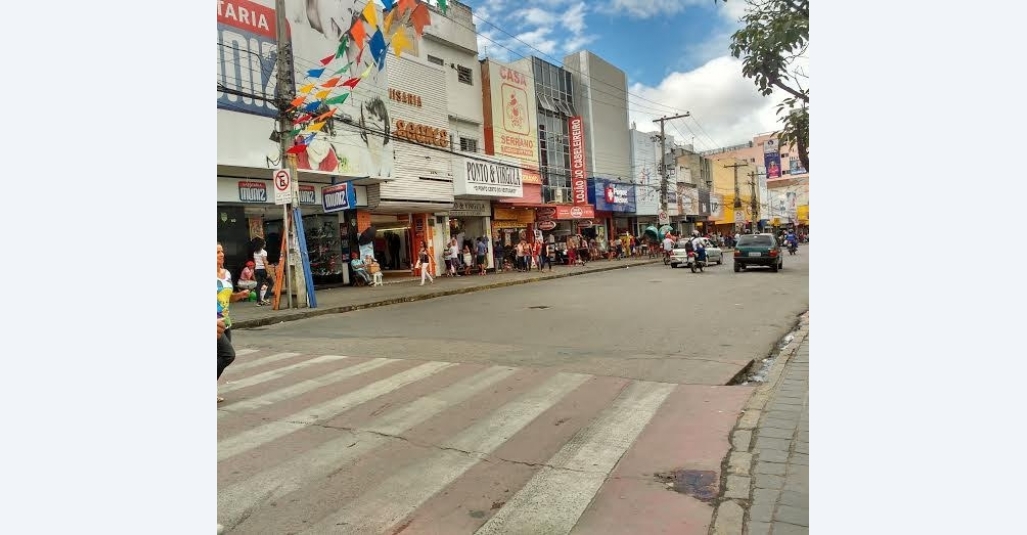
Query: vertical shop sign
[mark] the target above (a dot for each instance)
(579, 190)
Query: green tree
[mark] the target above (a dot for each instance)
(773, 35)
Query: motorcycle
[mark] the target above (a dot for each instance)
(694, 263)
(792, 248)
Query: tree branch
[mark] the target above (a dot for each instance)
(777, 83)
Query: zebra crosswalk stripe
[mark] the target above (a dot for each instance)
(276, 373)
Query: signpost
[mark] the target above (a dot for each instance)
(283, 186)
(664, 217)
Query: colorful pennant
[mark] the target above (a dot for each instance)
(327, 59)
(342, 70)
(339, 99)
(312, 107)
(366, 71)
(404, 5)
(297, 149)
(442, 6)
(400, 42)
(308, 139)
(343, 46)
(388, 4)
(352, 82)
(307, 88)
(316, 127)
(358, 33)
(332, 83)
(370, 13)
(326, 114)
(297, 101)
(322, 94)
(420, 18)
(315, 73)
(377, 46)
(388, 20)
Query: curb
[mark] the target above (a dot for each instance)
(736, 468)
(310, 313)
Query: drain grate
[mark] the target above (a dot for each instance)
(539, 307)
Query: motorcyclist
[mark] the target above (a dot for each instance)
(792, 241)
(699, 246)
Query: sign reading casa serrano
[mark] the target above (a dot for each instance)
(479, 178)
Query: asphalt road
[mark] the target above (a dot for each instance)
(605, 413)
(648, 323)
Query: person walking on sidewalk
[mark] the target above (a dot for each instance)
(424, 263)
(226, 354)
(260, 267)
(483, 251)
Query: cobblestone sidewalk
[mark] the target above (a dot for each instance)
(767, 488)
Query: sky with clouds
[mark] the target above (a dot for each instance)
(674, 52)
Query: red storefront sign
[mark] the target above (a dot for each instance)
(564, 212)
(547, 225)
(579, 189)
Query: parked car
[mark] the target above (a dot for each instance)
(679, 256)
(758, 250)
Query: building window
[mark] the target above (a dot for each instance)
(464, 75)
(435, 60)
(468, 145)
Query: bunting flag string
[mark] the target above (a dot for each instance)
(369, 31)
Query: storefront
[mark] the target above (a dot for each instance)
(512, 225)
(476, 185)
(614, 204)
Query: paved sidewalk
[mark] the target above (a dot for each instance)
(767, 482)
(345, 299)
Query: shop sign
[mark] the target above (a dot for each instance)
(468, 208)
(586, 224)
(547, 225)
(308, 195)
(486, 179)
(510, 214)
(613, 196)
(338, 197)
(405, 98)
(579, 191)
(251, 191)
(564, 211)
(419, 133)
(247, 46)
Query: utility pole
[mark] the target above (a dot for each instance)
(663, 157)
(284, 94)
(738, 191)
(754, 202)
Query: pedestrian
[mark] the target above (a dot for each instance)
(424, 263)
(226, 353)
(260, 265)
(546, 257)
(483, 251)
(454, 256)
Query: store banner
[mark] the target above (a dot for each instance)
(610, 196)
(795, 167)
(772, 158)
(579, 188)
(511, 129)
(338, 197)
(716, 206)
(308, 194)
(564, 212)
(764, 194)
(470, 208)
(247, 50)
(252, 191)
(486, 179)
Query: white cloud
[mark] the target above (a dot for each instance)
(645, 9)
(538, 39)
(574, 19)
(536, 16)
(725, 105)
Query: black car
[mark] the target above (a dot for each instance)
(758, 250)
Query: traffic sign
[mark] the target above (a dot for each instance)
(664, 217)
(283, 186)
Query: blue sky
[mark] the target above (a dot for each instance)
(674, 52)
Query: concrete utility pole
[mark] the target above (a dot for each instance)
(663, 157)
(754, 202)
(738, 192)
(284, 94)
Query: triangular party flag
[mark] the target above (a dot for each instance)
(343, 45)
(307, 88)
(358, 33)
(370, 13)
(325, 115)
(327, 59)
(308, 139)
(377, 45)
(333, 82)
(442, 6)
(388, 19)
(400, 42)
(302, 118)
(342, 70)
(312, 107)
(297, 101)
(339, 99)
(297, 149)
(366, 71)
(420, 18)
(360, 55)
(315, 73)
(388, 4)
(381, 60)
(404, 5)
(352, 82)
(295, 131)
(316, 127)
(322, 94)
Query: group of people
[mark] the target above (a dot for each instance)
(473, 257)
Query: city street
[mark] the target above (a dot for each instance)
(588, 404)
